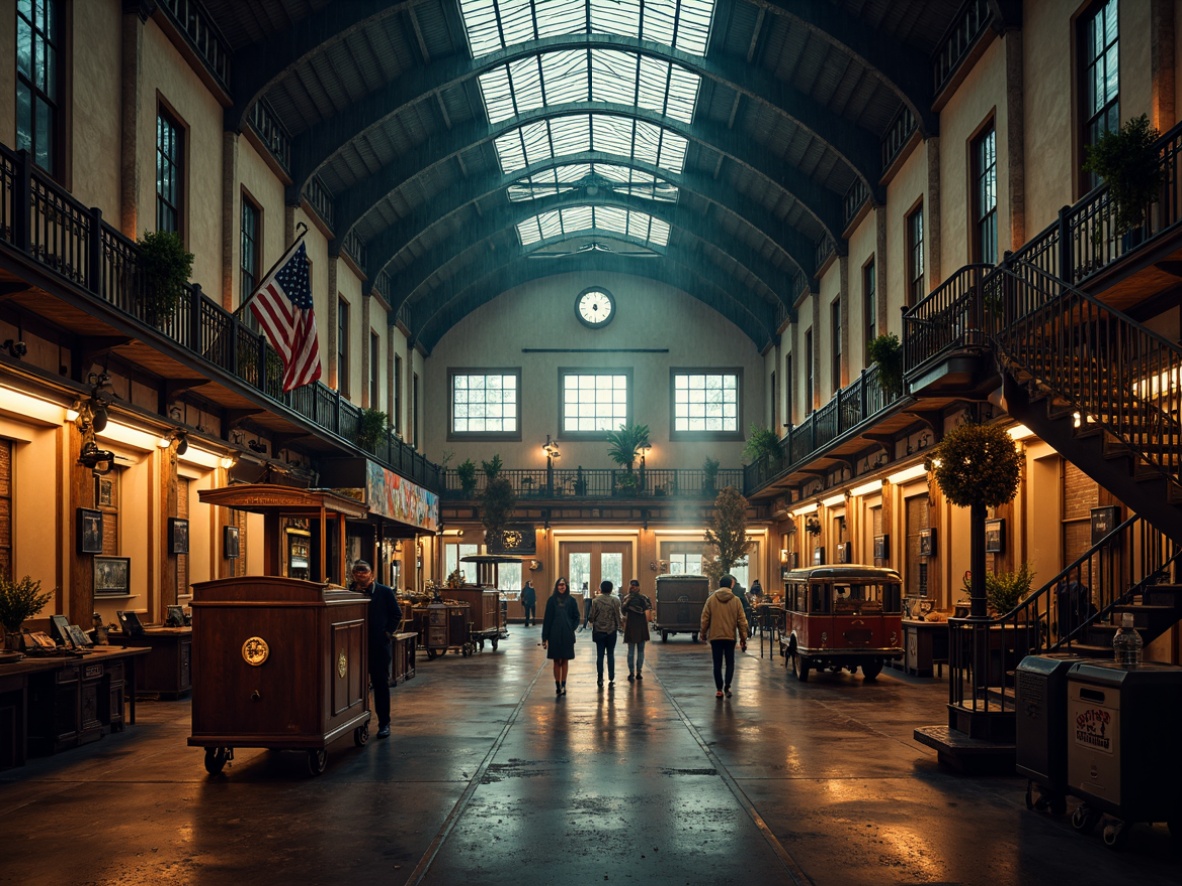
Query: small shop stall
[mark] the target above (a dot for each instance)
(281, 662)
(487, 607)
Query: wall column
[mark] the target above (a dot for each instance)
(881, 290)
(136, 12)
(1162, 53)
(931, 216)
(1015, 138)
(230, 218)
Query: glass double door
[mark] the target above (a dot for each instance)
(587, 563)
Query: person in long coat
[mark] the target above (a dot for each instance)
(558, 632)
(636, 608)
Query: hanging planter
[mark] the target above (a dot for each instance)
(977, 464)
(164, 267)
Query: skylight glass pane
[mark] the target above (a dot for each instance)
(564, 77)
(659, 232)
(570, 135)
(577, 218)
(569, 176)
(580, 219)
(612, 218)
(498, 94)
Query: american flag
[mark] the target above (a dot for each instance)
(283, 306)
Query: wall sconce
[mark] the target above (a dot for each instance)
(535, 565)
(550, 447)
(256, 446)
(228, 461)
(98, 460)
(15, 347)
(783, 555)
(652, 565)
(182, 441)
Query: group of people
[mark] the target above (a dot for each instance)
(724, 616)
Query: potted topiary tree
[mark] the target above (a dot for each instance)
(164, 267)
(497, 502)
(887, 352)
(763, 446)
(371, 424)
(19, 601)
(1130, 164)
(466, 471)
(710, 476)
(726, 536)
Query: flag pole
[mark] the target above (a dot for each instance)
(301, 230)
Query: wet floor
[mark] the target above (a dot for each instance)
(490, 778)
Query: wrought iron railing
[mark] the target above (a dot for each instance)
(203, 35)
(969, 25)
(265, 122)
(897, 136)
(854, 198)
(581, 483)
(41, 220)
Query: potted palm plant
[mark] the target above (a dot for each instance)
(19, 601)
(887, 352)
(466, 471)
(1130, 164)
(623, 446)
(762, 444)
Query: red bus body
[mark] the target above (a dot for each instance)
(842, 616)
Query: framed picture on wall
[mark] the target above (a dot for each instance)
(995, 536)
(178, 535)
(1104, 520)
(819, 555)
(882, 548)
(927, 542)
(112, 575)
(90, 531)
(230, 542)
(844, 552)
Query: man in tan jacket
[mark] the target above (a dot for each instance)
(722, 617)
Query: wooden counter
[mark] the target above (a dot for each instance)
(167, 672)
(925, 646)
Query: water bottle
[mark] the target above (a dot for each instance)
(1127, 644)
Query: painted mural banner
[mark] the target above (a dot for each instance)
(393, 496)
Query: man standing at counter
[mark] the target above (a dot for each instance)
(384, 617)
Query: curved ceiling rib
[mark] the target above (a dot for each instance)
(411, 278)
(907, 74)
(431, 320)
(386, 246)
(858, 148)
(257, 66)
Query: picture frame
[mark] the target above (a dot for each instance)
(90, 531)
(112, 576)
(1104, 520)
(819, 555)
(80, 638)
(845, 552)
(106, 492)
(230, 548)
(59, 629)
(178, 535)
(882, 547)
(129, 621)
(995, 536)
(175, 617)
(927, 542)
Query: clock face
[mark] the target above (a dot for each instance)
(595, 308)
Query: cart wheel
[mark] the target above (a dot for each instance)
(800, 666)
(215, 760)
(694, 636)
(664, 636)
(431, 653)
(1116, 832)
(494, 644)
(871, 670)
(469, 649)
(317, 760)
(1084, 819)
(482, 644)
(361, 735)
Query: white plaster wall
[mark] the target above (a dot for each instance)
(907, 187)
(862, 245)
(95, 114)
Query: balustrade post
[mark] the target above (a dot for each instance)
(1064, 271)
(22, 202)
(195, 319)
(262, 362)
(94, 257)
(863, 402)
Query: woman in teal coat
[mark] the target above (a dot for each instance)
(558, 632)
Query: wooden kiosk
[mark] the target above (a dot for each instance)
(484, 598)
(281, 662)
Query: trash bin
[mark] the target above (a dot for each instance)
(1122, 728)
(1041, 728)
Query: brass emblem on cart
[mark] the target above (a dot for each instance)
(511, 538)
(342, 664)
(255, 651)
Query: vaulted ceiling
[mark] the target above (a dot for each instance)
(462, 147)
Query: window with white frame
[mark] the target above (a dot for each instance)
(486, 403)
(594, 402)
(706, 403)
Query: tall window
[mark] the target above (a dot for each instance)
(984, 151)
(170, 169)
(39, 82)
(705, 403)
(594, 402)
(789, 389)
(414, 410)
(375, 375)
(343, 347)
(869, 307)
(835, 327)
(775, 404)
(809, 387)
(916, 289)
(485, 403)
(397, 394)
(1099, 54)
(251, 231)
(182, 560)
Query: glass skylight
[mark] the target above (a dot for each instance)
(573, 134)
(596, 219)
(593, 177)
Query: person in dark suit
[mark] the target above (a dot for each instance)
(558, 632)
(384, 618)
(529, 602)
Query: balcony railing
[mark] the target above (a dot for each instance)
(44, 222)
(588, 483)
(966, 29)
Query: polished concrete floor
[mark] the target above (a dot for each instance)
(491, 779)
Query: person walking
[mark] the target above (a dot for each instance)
(607, 620)
(558, 632)
(384, 618)
(636, 607)
(722, 616)
(529, 602)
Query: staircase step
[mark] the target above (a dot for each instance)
(1091, 650)
(975, 756)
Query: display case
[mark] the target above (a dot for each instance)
(446, 625)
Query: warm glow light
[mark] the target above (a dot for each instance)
(30, 407)
(72, 414)
(912, 473)
(834, 500)
(810, 508)
(164, 442)
(201, 457)
(1020, 432)
(871, 488)
(121, 433)
(228, 461)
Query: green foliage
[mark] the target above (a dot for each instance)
(1005, 590)
(496, 506)
(492, 468)
(1130, 164)
(20, 600)
(371, 424)
(887, 352)
(466, 471)
(762, 443)
(627, 483)
(164, 267)
(710, 475)
(726, 536)
(623, 444)
(977, 464)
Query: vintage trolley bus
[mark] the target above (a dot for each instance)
(842, 617)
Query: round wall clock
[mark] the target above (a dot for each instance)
(595, 307)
